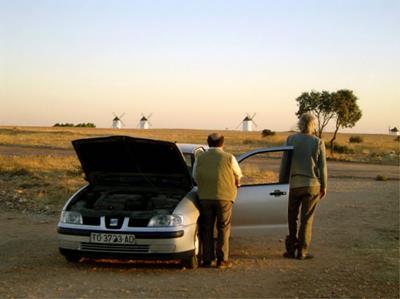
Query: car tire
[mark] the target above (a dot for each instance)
(72, 258)
(194, 261)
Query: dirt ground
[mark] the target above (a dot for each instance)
(355, 243)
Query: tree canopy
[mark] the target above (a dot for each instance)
(346, 111)
(340, 106)
(320, 104)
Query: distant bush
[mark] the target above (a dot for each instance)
(356, 139)
(267, 132)
(342, 149)
(64, 125)
(81, 125)
(86, 125)
(381, 178)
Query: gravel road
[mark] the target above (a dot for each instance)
(355, 243)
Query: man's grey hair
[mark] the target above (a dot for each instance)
(307, 123)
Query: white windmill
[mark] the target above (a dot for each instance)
(247, 123)
(117, 122)
(144, 122)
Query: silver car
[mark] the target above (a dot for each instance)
(141, 202)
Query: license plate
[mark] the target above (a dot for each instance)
(112, 238)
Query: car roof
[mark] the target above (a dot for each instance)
(190, 148)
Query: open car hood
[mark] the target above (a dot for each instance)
(124, 159)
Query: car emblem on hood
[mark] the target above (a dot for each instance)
(114, 222)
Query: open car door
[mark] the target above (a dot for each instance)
(262, 199)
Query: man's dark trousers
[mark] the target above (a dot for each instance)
(221, 212)
(307, 199)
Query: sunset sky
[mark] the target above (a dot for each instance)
(195, 64)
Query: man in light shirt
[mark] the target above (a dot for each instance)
(217, 174)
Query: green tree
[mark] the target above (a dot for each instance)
(346, 111)
(318, 103)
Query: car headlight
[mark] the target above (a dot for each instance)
(166, 220)
(71, 217)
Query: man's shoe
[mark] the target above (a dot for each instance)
(206, 264)
(291, 246)
(224, 265)
(289, 255)
(304, 256)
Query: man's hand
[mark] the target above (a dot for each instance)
(322, 193)
(237, 182)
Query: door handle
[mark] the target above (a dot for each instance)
(277, 193)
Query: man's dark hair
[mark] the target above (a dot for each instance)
(215, 140)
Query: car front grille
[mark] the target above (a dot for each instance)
(115, 248)
(134, 222)
(91, 220)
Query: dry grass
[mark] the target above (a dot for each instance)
(38, 183)
(62, 137)
(375, 148)
(372, 147)
(34, 177)
(38, 164)
(254, 175)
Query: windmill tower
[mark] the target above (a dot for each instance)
(117, 122)
(144, 122)
(247, 123)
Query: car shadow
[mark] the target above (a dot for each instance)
(129, 264)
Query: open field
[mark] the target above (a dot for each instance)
(39, 169)
(375, 148)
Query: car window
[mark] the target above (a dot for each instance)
(261, 168)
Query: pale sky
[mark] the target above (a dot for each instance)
(195, 64)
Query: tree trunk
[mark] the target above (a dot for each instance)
(319, 125)
(319, 133)
(331, 142)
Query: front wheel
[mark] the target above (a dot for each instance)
(193, 261)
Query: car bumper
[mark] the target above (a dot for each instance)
(177, 244)
(119, 255)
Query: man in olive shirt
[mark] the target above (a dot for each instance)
(308, 183)
(217, 174)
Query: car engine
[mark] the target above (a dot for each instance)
(94, 203)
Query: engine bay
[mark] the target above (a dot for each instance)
(125, 202)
